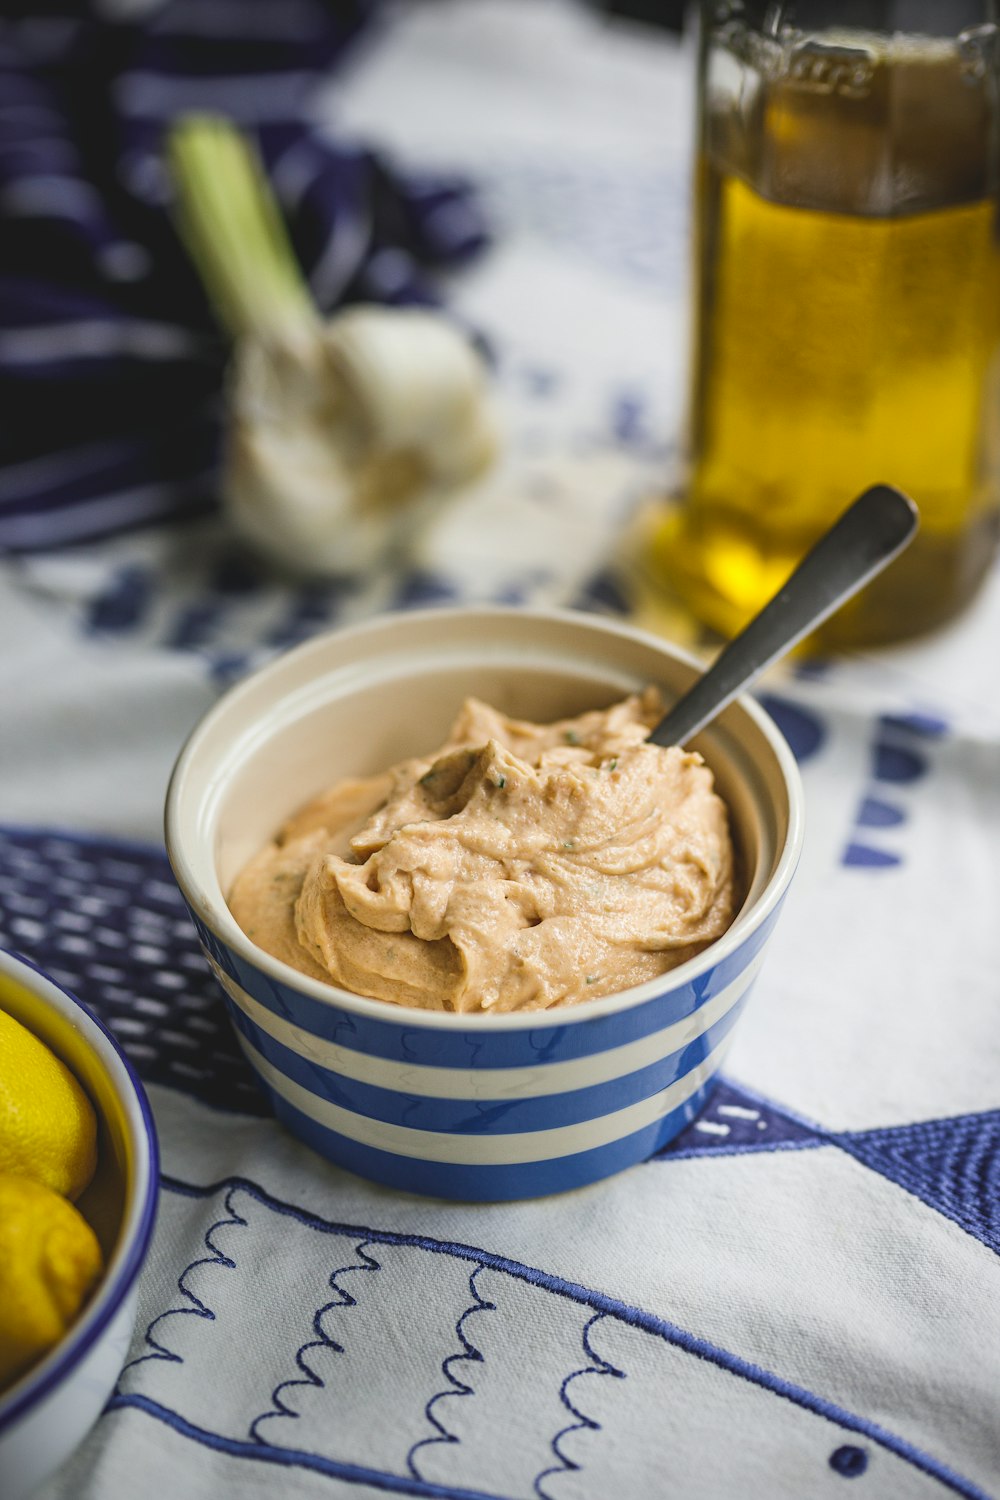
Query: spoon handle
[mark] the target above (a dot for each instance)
(869, 534)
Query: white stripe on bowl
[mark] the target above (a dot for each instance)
(513, 1149)
(492, 1083)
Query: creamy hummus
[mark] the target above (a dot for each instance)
(519, 867)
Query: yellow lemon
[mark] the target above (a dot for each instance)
(49, 1262)
(48, 1130)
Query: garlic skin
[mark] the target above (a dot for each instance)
(345, 435)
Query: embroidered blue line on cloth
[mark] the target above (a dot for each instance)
(322, 1340)
(197, 1307)
(294, 1458)
(458, 1387)
(597, 1366)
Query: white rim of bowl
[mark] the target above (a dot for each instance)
(223, 924)
(136, 1229)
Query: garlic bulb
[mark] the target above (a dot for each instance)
(339, 448)
(342, 435)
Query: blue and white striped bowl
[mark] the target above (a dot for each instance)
(472, 1107)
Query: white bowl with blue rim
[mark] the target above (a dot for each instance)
(47, 1412)
(474, 1107)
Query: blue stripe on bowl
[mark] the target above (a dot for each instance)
(490, 1184)
(448, 1046)
(478, 1116)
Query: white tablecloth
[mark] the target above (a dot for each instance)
(802, 1297)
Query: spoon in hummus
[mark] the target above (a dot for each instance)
(869, 534)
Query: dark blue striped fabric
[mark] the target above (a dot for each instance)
(110, 359)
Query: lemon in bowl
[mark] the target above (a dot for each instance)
(48, 1129)
(78, 1185)
(50, 1261)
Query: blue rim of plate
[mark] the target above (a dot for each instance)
(80, 1344)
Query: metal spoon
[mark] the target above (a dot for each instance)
(869, 534)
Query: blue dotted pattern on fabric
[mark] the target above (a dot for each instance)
(900, 759)
(604, 593)
(107, 922)
(233, 615)
(803, 729)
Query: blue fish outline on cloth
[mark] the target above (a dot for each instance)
(581, 1314)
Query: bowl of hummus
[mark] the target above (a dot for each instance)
(478, 938)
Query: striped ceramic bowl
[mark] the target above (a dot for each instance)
(475, 1107)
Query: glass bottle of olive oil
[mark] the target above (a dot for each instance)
(847, 320)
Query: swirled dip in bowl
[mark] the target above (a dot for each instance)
(489, 1080)
(518, 867)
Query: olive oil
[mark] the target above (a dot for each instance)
(847, 337)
